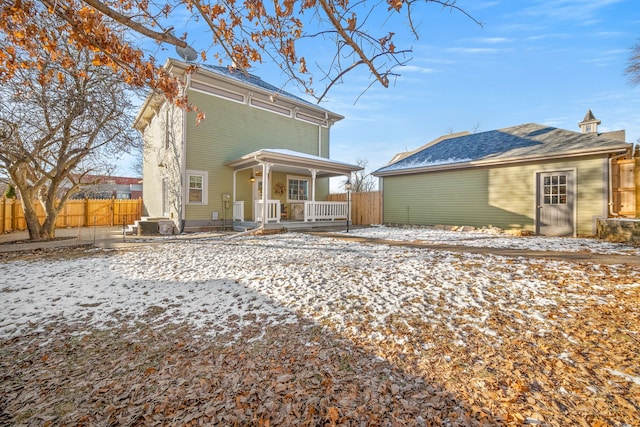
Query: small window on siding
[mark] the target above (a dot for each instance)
(197, 187)
(270, 106)
(311, 119)
(217, 91)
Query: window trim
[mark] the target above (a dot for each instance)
(271, 107)
(205, 187)
(299, 178)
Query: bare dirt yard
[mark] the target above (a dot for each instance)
(294, 329)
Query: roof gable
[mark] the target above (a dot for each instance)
(527, 141)
(406, 154)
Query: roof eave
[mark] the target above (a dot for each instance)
(265, 156)
(505, 161)
(182, 66)
(150, 104)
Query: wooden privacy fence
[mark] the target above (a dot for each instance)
(75, 213)
(625, 183)
(366, 207)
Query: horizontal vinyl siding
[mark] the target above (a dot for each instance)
(156, 154)
(501, 196)
(448, 198)
(230, 131)
(592, 199)
(507, 193)
(152, 175)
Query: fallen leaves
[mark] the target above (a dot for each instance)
(562, 349)
(295, 375)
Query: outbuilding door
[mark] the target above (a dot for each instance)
(555, 203)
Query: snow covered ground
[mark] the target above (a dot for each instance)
(494, 238)
(222, 283)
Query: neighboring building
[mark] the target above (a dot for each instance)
(530, 177)
(107, 187)
(254, 136)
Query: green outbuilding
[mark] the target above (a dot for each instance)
(531, 177)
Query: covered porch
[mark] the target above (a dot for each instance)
(276, 188)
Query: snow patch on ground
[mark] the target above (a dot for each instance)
(495, 238)
(222, 283)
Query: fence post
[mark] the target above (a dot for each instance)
(636, 173)
(86, 212)
(2, 218)
(113, 211)
(14, 216)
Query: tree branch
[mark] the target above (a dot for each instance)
(364, 59)
(165, 37)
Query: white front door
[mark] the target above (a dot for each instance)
(555, 203)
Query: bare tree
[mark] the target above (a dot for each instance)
(362, 181)
(60, 123)
(633, 70)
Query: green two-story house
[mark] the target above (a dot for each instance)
(259, 158)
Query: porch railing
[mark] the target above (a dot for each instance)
(238, 210)
(273, 210)
(325, 211)
(313, 211)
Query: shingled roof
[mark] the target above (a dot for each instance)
(248, 78)
(520, 143)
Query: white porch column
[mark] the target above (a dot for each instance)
(313, 184)
(235, 178)
(265, 185)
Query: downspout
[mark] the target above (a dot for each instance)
(611, 159)
(183, 166)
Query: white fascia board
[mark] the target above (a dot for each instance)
(503, 162)
(294, 159)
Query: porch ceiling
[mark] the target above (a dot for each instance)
(293, 162)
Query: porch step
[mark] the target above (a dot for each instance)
(151, 226)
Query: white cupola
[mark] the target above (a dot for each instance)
(589, 124)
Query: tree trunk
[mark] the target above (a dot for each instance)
(38, 231)
(31, 218)
(48, 229)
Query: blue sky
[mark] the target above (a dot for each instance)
(545, 62)
(541, 61)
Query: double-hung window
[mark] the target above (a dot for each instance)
(197, 187)
(297, 189)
